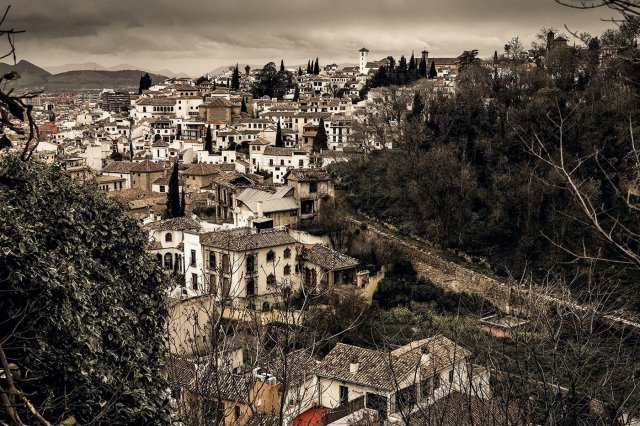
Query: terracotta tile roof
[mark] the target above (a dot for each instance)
(327, 258)
(118, 167)
(245, 239)
(203, 169)
(384, 370)
(218, 102)
(147, 167)
(173, 224)
(307, 175)
(157, 101)
(281, 151)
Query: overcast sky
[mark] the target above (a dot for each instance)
(196, 36)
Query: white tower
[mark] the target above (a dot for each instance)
(363, 60)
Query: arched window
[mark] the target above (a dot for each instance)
(271, 280)
(271, 256)
(287, 253)
(167, 238)
(168, 261)
(266, 306)
(159, 257)
(287, 270)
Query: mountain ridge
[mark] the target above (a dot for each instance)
(35, 77)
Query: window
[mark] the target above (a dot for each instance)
(212, 260)
(193, 258)
(436, 381)
(287, 252)
(287, 270)
(236, 412)
(313, 186)
(251, 263)
(344, 395)
(168, 237)
(271, 280)
(251, 287)
(194, 281)
(271, 256)
(168, 261)
(159, 257)
(451, 376)
(226, 266)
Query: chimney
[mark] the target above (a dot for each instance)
(354, 366)
(259, 206)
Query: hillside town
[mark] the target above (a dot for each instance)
(410, 240)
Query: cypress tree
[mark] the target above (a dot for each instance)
(296, 94)
(320, 140)
(279, 141)
(145, 83)
(433, 72)
(173, 195)
(418, 105)
(309, 66)
(495, 56)
(243, 106)
(412, 62)
(208, 140)
(316, 67)
(183, 202)
(281, 65)
(235, 78)
(422, 69)
(299, 71)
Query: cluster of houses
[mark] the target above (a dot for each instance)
(249, 175)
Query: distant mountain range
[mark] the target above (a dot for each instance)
(94, 66)
(34, 77)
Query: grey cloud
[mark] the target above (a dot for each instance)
(196, 36)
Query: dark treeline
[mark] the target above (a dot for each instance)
(480, 170)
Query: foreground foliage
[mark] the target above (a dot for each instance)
(83, 307)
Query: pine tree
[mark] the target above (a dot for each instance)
(281, 65)
(433, 72)
(243, 106)
(316, 67)
(320, 140)
(208, 140)
(235, 78)
(173, 195)
(279, 141)
(422, 69)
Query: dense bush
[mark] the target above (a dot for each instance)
(83, 306)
